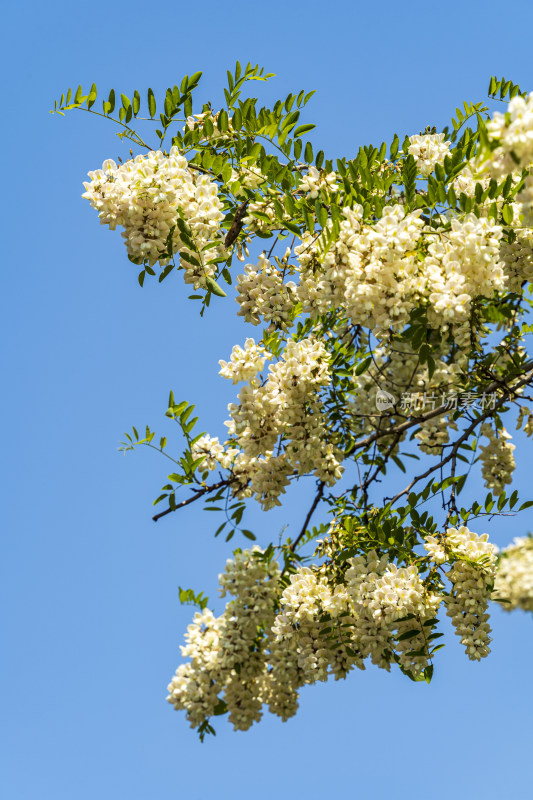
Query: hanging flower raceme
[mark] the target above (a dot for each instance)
(471, 575)
(428, 149)
(146, 195)
(514, 577)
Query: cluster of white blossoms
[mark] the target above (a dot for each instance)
(375, 273)
(387, 603)
(214, 453)
(278, 426)
(513, 132)
(272, 638)
(245, 362)
(525, 419)
(514, 578)
(284, 409)
(462, 263)
(371, 271)
(227, 661)
(472, 577)
(517, 257)
(146, 195)
(467, 180)
(263, 296)
(317, 180)
(246, 178)
(261, 216)
(497, 460)
(197, 121)
(428, 149)
(305, 645)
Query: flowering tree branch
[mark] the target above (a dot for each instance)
(397, 316)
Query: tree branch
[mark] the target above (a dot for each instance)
(310, 513)
(192, 499)
(463, 437)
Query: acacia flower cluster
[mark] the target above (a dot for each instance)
(245, 362)
(497, 460)
(146, 195)
(318, 180)
(226, 652)
(428, 149)
(263, 295)
(514, 578)
(379, 273)
(272, 639)
(471, 575)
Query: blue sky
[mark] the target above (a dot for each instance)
(89, 584)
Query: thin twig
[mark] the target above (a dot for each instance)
(192, 499)
(310, 513)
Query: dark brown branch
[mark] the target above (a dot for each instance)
(453, 453)
(435, 413)
(198, 493)
(310, 513)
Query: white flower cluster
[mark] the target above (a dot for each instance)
(263, 295)
(145, 195)
(270, 642)
(369, 270)
(317, 180)
(248, 177)
(428, 149)
(497, 460)
(283, 413)
(396, 370)
(472, 577)
(214, 453)
(517, 257)
(388, 602)
(267, 219)
(462, 264)
(226, 653)
(286, 405)
(198, 121)
(513, 131)
(468, 178)
(514, 577)
(245, 362)
(525, 418)
(319, 632)
(376, 274)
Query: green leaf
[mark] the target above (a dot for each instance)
(409, 178)
(91, 97)
(363, 366)
(408, 634)
(394, 147)
(111, 101)
(507, 214)
(301, 129)
(215, 288)
(223, 121)
(151, 103)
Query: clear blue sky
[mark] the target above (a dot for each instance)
(89, 584)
